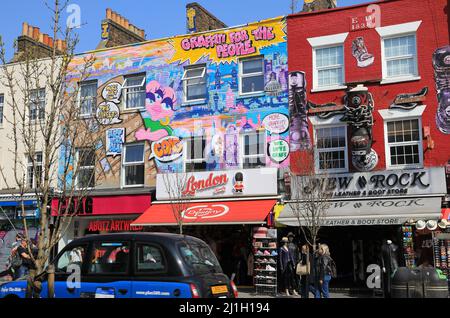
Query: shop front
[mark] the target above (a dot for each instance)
(222, 208)
(102, 213)
(371, 212)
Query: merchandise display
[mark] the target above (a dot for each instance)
(408, 246)
(265, 254)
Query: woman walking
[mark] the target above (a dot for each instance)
(304, 270)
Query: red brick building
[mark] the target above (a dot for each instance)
(370, 105)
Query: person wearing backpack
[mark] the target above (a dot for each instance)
(326, 271)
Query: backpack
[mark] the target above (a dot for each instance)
(16, 260)
(332, 268)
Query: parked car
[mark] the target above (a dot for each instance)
(134, 265)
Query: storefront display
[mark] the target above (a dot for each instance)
(265, 261)
(408, 246)
(441, 248)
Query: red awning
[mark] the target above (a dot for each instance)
(206, 213)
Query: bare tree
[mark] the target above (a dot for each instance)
(53, 138)
(310, 196)
(175, 185)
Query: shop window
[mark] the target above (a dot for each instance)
(34, 170)
(331, 149)
(400, 56)
(86, 168)
(37, 104)
(134, 91)
(404, 146)
(2, 104)
(88, 98)
(195, 154)
(251, 75)
(70, 257)
(329, 67)
(109, 258)
(149, 259)
(133, 165)
(253, 149)
(194, 83)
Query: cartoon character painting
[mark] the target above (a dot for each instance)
(159, 109)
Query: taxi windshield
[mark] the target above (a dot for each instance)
(199, 257)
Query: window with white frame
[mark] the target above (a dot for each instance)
(253, 149)
(2, 103)
(194, 83)
(399, 51)
(133, 166)
(34, 170)
(329, 66)
(400, 56)
(134, 91)
(331, 149)
(404, 143)
(195, 159)
(37, 104)
(251, 75)
(88, 97)
(86, 168)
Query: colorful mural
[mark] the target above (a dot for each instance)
(221, 117)
(360, 53)
(441, 63)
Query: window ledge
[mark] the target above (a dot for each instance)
(404, 167)
(328, 88)
(199, 102)
(250, 95)
(400, 80)
(132, 110)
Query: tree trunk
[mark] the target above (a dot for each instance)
(51, 281)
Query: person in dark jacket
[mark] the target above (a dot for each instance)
(305, 260)
(287, 267)
(322, 273)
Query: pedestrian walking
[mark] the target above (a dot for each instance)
(304, 270)
(293, 248)
(287, 267)
(27, 262)
(325, 270)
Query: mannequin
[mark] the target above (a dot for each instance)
(389, 264)
(293, 248)
(287, 267)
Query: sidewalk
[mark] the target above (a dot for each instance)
(249, 292)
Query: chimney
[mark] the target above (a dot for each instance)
(32, 43)
(198, 19)
(316, 5)
(117, 30)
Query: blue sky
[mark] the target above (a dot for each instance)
(158, 18)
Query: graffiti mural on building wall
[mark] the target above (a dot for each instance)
(299, 127)
(360, 53)
(114, 141)
(223, 114)
(441, 63)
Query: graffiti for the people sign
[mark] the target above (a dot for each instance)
(225, 46)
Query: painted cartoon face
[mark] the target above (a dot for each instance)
(160, 101)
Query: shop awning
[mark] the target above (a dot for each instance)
(209, 213)
(383, 211)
